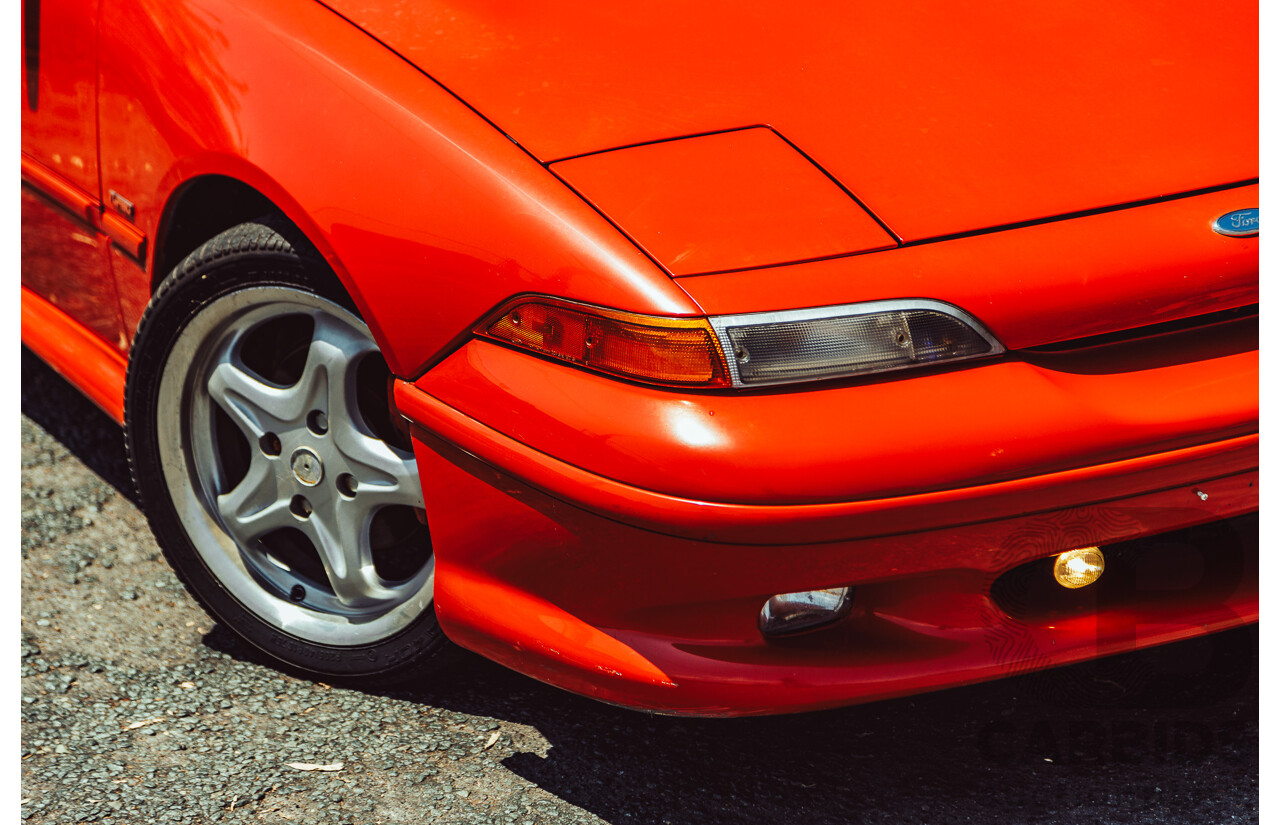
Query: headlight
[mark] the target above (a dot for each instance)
(751, 350)
(830, 342)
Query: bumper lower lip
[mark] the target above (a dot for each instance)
(649, 600)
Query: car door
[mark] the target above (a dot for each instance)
(65, 255)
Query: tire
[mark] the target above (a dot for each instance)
(272, 469)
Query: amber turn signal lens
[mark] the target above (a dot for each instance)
(1079, 568)
(681, 351)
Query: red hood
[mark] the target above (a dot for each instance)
(942, 117)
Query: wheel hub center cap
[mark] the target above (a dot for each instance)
(307, 467)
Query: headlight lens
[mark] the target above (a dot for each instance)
(831, 342)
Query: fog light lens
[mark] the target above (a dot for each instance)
(792, 612)
(1079, 568)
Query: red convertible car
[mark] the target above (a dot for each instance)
(711, 358)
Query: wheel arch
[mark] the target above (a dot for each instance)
(198, 210)
(220, 193)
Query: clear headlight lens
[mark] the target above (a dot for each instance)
(830, 342)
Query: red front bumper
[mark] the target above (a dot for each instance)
(650, 599)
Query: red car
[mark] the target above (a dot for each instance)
(702, 358)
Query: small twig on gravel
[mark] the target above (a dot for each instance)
(308, 766)
(143, 723)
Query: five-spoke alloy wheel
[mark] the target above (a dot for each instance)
(271, 463)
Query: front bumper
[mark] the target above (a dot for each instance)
(649, 598)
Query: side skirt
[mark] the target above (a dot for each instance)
(91, 365)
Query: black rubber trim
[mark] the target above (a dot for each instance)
(1224, 316)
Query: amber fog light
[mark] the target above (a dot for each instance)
(793, 612)
(1079, 568)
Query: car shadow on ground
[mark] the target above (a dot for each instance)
(76, 422)
(1163, 735)
(1168, 734)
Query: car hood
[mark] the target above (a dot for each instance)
(940, 117)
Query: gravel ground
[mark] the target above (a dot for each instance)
(137, 708)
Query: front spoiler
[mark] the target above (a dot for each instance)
(649, 601)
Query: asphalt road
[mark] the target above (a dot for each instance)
(137, 708)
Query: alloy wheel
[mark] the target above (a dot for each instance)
(281, 454)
